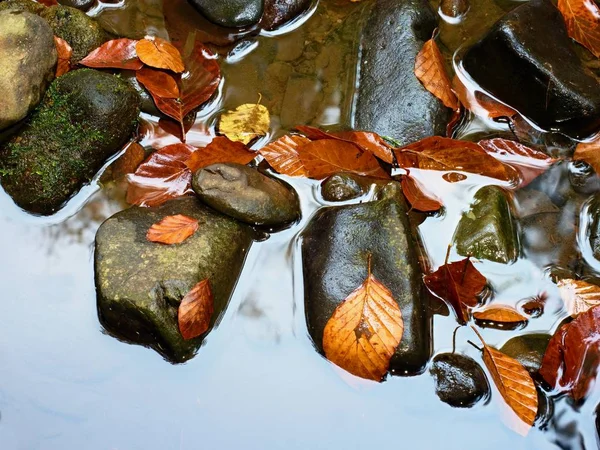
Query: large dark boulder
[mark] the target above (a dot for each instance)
(86, 117)
(391, 101)
(140, 284)
(528, 62)
(336, 245)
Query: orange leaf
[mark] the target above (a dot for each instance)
(172, 230)
(282, 155)
(416, 196)
(196, 310)
(582, 18)
(115, 54)
(128, 162)
(65, 52)
(157, 52)
(220, 150)
(364, 331)
(480, 103)
(501, 314)
(578, 295)
(431, 71)
(326, 157)
(589, 152)
(158, 83)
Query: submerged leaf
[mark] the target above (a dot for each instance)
(220, 150)
(196, 310)
(245, 123)
(578, 295)
(158, 83)
(480, 103)
(158, 53)
(282, 155)
(115, 54)
(430, 70)
(582, 18)
(172, 230)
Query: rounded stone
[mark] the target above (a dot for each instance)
(528, 349)
(231, 13)
(459, 380)
(341, 187)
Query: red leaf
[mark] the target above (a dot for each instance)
(65, 52)
(172, 230)
(282, 155)
(431, 72)
(220, 150)
(196, 310)
(161, 177)
(419, 200)
(159, 83)
(115, 54)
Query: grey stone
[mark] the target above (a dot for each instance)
(231, 13)
(27, 63)
(140, 284)
(391, 101)
(528, 349)
(459, 380)
(246, 195)
(335, 248)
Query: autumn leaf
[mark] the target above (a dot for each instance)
(196, 310)
(158, 53)
(534, 307)
(65, 52)
(172, 230)
(328, 156)
(220, 150)
(582, 18)
(513, 381)
(115, 54)
(417, 197)
(163, 176)
(158, 83)
(578, 295)
(364, 331)
(127, 163)
(245, 123)
(500, 314)
(589, 152)
(282, 155)
(573, 355)
(480, 103)
(458, 284)
(431, 72)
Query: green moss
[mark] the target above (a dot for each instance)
(22, 5)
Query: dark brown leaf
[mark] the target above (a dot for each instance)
(115, 54)
(196, 311)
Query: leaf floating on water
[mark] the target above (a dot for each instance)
(589, 152)
(582, 18)
(158, 83)
(364, 331)
(196, 310)
(500, 314)
(282, 155)
(245, 123)
(578, 296)
(431, 72)
(454, 177)
(65, 52)
(417, 197)
(220, 150)
(115, 54)
(158, 53)
(172, 230)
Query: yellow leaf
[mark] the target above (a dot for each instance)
(578, 295)
(245, 123)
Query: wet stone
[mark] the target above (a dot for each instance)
(231, 13)
(342, 187)
(594, 227)
(140, 284)
(528, 349)
(335, 247)
(391, 101)
(549, 84)
(279, 12)
(27, 63)
(83, 5)
(459, 380)
(487, 230)
(247, 195)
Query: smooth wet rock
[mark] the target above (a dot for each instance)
(459, 380)
(140, 284)
(391, 101)
(82, 5)
(82, 32)
(280, 12)
(336, 245)
(86, 117)
(343, 186)
(27, 64)
(527, 61)
(528, 349)
(487, 230)
(246, 195)
(135, 19)
(231, 13)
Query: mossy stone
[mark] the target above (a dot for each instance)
(140, 284)
(86, 117)
(459, 380)
(487, 230)
(528, 349)
(22, 5)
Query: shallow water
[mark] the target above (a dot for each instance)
(257, 382)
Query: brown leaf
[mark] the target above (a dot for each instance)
(582, 18)
(159, 83)
(282, 155)
(65, 52)
(513, 381)
(501, 314)
(161, 177)
(444, 154)
(578, 295)
(364, 331)
(115, 54)
(534, 307)
(573, 355)
(220, 150)
(480, 103)
(589, 152)
(431, 71)
(326, 157)
(172, 230)
(454, 177)
(458, 284)
(417, 197)
(173, 127)
(128, 162)
(158, 53)
(196, 310)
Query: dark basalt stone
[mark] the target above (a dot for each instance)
(391, 101)
(335, 249)
(459, 380)
(231, 13)
(344, 186)
(528, 349)
(279, 12)
(527, 61)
